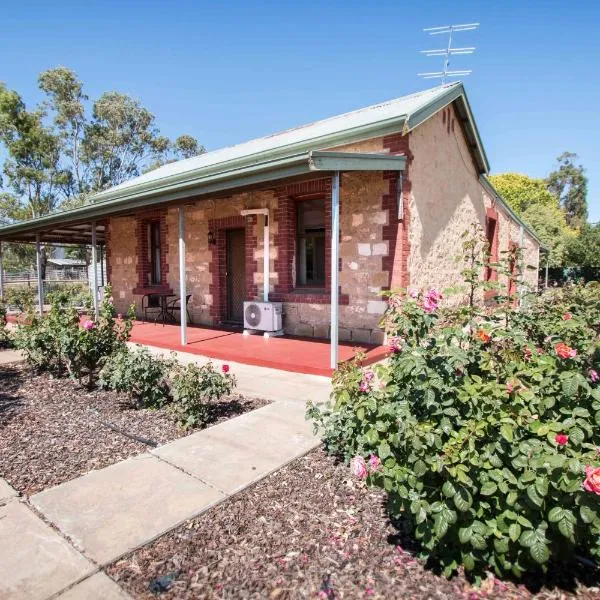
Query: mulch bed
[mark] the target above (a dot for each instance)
(52, 430)
(307, 531)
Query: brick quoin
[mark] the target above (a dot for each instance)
(218, 264)
(143, 220)
(396, 232)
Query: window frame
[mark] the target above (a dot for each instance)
(314, 235)
(155, 253)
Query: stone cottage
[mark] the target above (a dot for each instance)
(351, 205)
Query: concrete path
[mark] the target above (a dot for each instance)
(271, 384)
(107, 513)
(10, 356)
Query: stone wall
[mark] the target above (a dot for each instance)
(378, 251)
(446, 199)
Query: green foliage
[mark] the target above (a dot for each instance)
(551, 226)
(193, 387)
(569, 184)
(522, 191)
(20, 297)
(59, 343)
(465, 418)
(584, 250)
(140, 375)
(4, 335)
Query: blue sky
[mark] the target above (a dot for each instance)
(229, 71)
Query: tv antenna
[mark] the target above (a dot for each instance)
(448, 51)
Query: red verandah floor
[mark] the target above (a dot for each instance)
(299, 355)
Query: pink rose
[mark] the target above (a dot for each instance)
(564, 351)
(225, 369)
(358, 466)
(369, 376)
(364, 386)
(594, 375)
(374, 462)
(510, 387)
(561, 439)
(395, 344)
(87, 325)
(567, 316)
(592, 480)
(413, 293)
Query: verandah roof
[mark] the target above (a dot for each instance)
(75, 226)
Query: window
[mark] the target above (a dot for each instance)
(310, 243)
(492, 239)
(155, 252)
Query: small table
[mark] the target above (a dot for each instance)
(164, 316)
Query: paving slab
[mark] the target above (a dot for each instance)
(6, 491)
(111, 511)
(11, 356)
(97, 587)
(37, 561)
(240, 451)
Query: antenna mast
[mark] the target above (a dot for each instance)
(448, 51)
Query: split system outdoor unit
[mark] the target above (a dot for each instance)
(263, 316)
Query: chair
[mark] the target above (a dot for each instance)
(151, 303)
(175, 304)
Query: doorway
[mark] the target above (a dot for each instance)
(235, 275)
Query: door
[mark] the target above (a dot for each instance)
(236, 275)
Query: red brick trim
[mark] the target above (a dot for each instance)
(396, 232)
(285, 238)
(143, 264)
(108, 250)
(218, 264)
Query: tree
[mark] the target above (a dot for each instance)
(569, 184)
(551, 226)
(121, 138)
(186, 146)
(521, 191)
(57, 156)
(66, 101)
(584, 250)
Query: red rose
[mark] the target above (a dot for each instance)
(561, 439)
(225, 368)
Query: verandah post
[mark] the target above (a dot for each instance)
(95, 271)
(182, 283)
(335, 252)
(40, 284)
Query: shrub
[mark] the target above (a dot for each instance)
(4, 337)
(139, 374)
(59, 343)
(483, 428)
(22, 298)
(193, 387)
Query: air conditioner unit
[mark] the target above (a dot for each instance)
(263, 316)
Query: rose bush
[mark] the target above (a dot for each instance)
(59, 342)
(487, 426)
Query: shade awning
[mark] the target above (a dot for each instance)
(75, 226)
